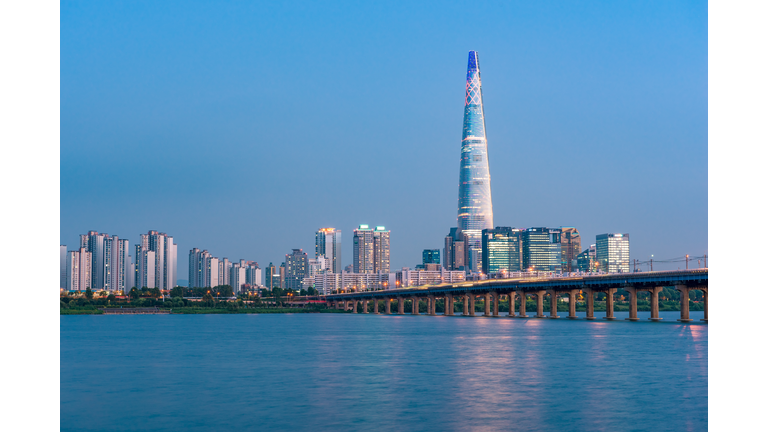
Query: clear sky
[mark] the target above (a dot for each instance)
(243, 127)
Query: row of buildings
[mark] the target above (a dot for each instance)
(206, 271)
(103, 263)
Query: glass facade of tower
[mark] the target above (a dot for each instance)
(430, 256)
(475, 206)
(541, 250)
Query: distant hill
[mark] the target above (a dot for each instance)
(182, 282)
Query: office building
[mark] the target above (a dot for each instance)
(570, 246)
(407, 278)
(380, 250)
(455, 252)
(271, 277)
(328, 244)
(612, 253)
(587, 261)
(541, 250)
(475, 210)
(296, 269)
(502, 250)
(430, 256)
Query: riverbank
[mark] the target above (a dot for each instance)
(93, 310)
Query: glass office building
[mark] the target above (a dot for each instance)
(613, 253)
(542, 250)
(475, 206)
(502, 251)
(430, 256)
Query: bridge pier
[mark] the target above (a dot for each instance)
(487, 304)
(415, 305)
(590, 303)
(387, 306)
(365, 306)
(632, 303)
(553, 304)
(375, 306)
(495, 295)
(400, 306)
(432, 305)
(472, 305)
(448, 305)
(522, 296)
(511, 304)
(706, 307)
(609, 303)
(655, 303)
(572, 295)
(465, 305)
(354, 306)
(684, 307)
(540, 303)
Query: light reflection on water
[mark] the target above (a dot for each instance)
(377, 372)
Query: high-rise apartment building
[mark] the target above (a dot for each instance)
(502, 250)
(145, 268)
(328, 244)
(455, 253)
(282, 275)
(94, 243)
(296, 268)
(541, 250)
(612, 253)
(475, 206)
(165, 257)
(110, 261)
(78, 269)
(370, 250)
(570, 245)
(430, 256)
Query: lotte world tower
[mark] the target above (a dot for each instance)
(475, 206)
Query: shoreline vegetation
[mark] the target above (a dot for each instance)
(89, 303)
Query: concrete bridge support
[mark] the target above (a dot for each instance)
(465, 304)
(511, 304)
(572, 295)
(590, 303)
(685, 315)
(553, 304)
(609, 303)
(415, 305)
(365, 306)
(495, 296)
(387, 306)
(487, 304)
(632, 303)
(448, 305)
(354, 306)
(522, 296)
(375, 306)
(432, 305)
(472, 305)
(400, 306)
(540, 304)
(706, 307)
(655, 303)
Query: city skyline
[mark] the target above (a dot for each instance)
(566, 146)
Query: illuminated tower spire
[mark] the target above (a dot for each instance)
(475, 206)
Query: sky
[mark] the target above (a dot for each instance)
(243, 127)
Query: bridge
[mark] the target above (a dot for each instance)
(491, 291)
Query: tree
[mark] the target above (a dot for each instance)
(154, 292)
(103, 293)
(303, 292)
(88, 293)
(311, 291)
(111, 298)
(177, 292)
(134, 293)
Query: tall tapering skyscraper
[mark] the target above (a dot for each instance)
(475, 206)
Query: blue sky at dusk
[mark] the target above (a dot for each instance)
(243, 127)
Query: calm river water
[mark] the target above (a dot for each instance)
(366, 372)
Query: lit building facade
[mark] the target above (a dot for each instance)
(570, 247)
(78, 270)
(271, 277)
(586, 261)
(541, 250)
(455, 252)
(612, 253)
(296, 268)
(502, 250)
(430, 256)
(328, 244)
(370, 250)
(475, 211)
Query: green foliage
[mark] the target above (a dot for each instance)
(177, 291)
(134, 293)
(88, 293)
